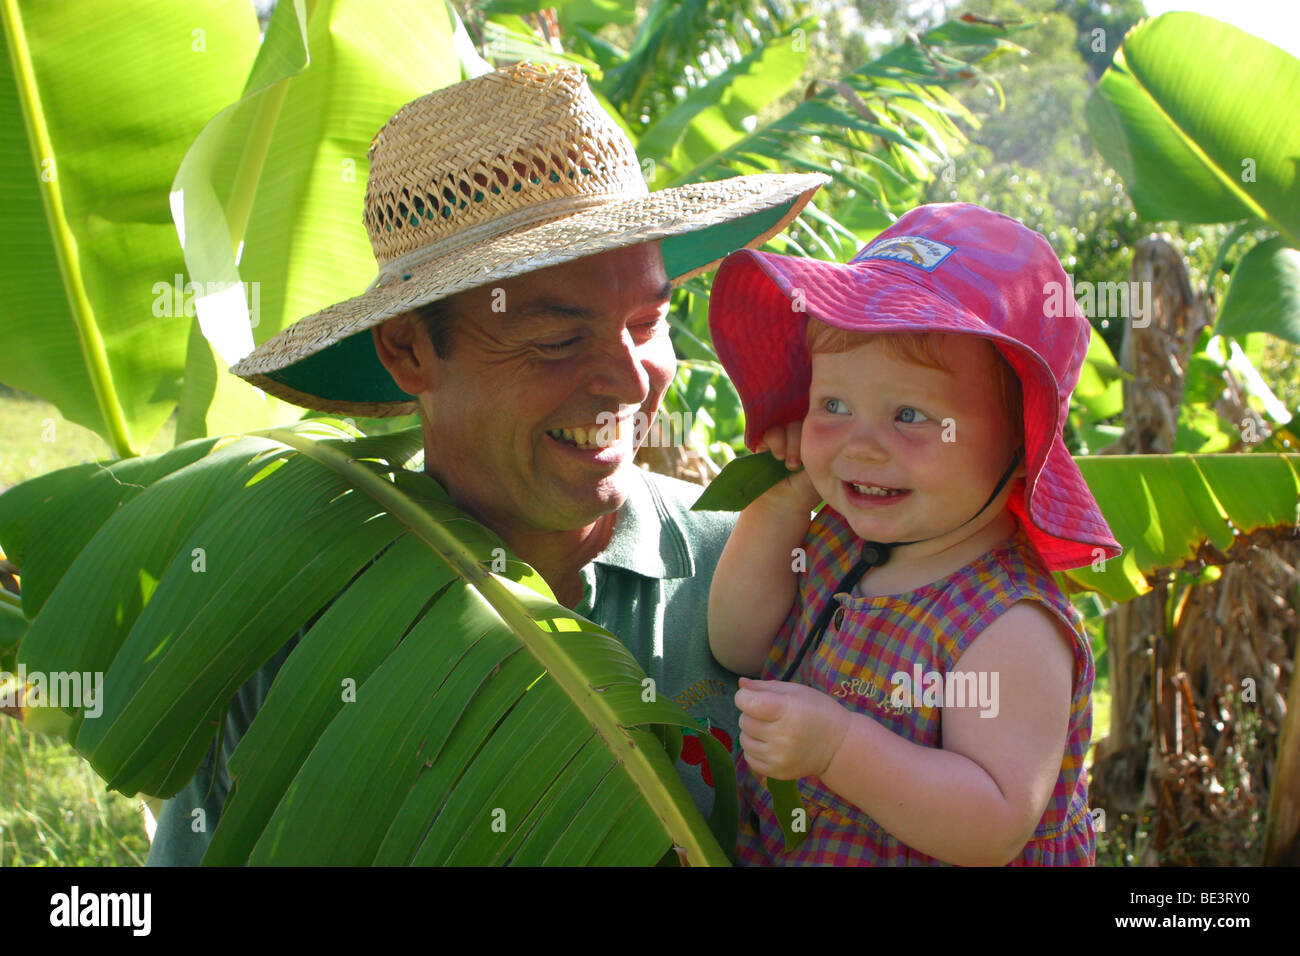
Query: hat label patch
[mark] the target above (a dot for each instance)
(914, 250)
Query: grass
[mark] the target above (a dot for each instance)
(55, 810)
(37, 439)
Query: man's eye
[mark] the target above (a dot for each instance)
(557, 346)
(834, 406)
(649, 330)
(912, 416)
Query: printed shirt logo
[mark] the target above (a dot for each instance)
(914, 250)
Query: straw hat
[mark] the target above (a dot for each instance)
(502, 175)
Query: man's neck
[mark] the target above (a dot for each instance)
(559, 556)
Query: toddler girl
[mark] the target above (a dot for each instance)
(924, 678)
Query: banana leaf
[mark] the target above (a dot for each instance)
(897, 102)
(1265, 292)
(267, 197)
(103, 138)
(98, 102)
(713, 116)
(486, 723)
(1189, 114)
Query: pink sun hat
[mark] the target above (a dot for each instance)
(953, 268)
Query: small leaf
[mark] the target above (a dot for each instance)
(786, 802)
(742, 481)
(1264, 295)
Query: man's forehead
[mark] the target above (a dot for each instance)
(580, 304)
(630, 278)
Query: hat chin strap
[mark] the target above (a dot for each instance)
(876, 553)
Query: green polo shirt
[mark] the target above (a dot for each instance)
(650, 587)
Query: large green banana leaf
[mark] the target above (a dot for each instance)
(269, 196)
(1188, 113)
(98, 103)
(1174, 510)
(1193, 113)
(1166, 511)
(442, 708)
(1265, 292)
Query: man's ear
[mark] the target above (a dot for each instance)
(403, 346)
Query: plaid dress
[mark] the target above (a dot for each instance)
(871, 639)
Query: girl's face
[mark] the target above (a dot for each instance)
(906, 452)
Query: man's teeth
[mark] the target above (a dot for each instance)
(597, 436)
(876, 490)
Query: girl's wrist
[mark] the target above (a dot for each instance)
(853, 742)
(792, 499)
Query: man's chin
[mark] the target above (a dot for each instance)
(602, 498)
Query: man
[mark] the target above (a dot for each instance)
(525, 274)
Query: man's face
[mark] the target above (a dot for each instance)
(531, 360)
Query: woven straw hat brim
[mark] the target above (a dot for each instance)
(613, 225)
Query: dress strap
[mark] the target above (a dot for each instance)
(873, 555)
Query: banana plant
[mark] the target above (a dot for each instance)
(690, 90)
(878, 131)
(93, 123)
(258, 195)
(255, 144)
(465, 718)
(1188, 116)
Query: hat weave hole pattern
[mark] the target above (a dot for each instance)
(400, 221)
(492, 149)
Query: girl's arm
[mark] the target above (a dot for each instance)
(977, 801)
(755, 584)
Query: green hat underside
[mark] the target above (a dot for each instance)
(350, 371)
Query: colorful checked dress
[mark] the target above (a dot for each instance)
(869, 640)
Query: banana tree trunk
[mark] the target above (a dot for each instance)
(1282, 839)
(1156, 356)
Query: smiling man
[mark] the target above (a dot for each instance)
(521, 307)
(517, 412)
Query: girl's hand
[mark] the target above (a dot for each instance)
(797, 490)
(787, 730)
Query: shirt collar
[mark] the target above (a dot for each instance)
(648, 538)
